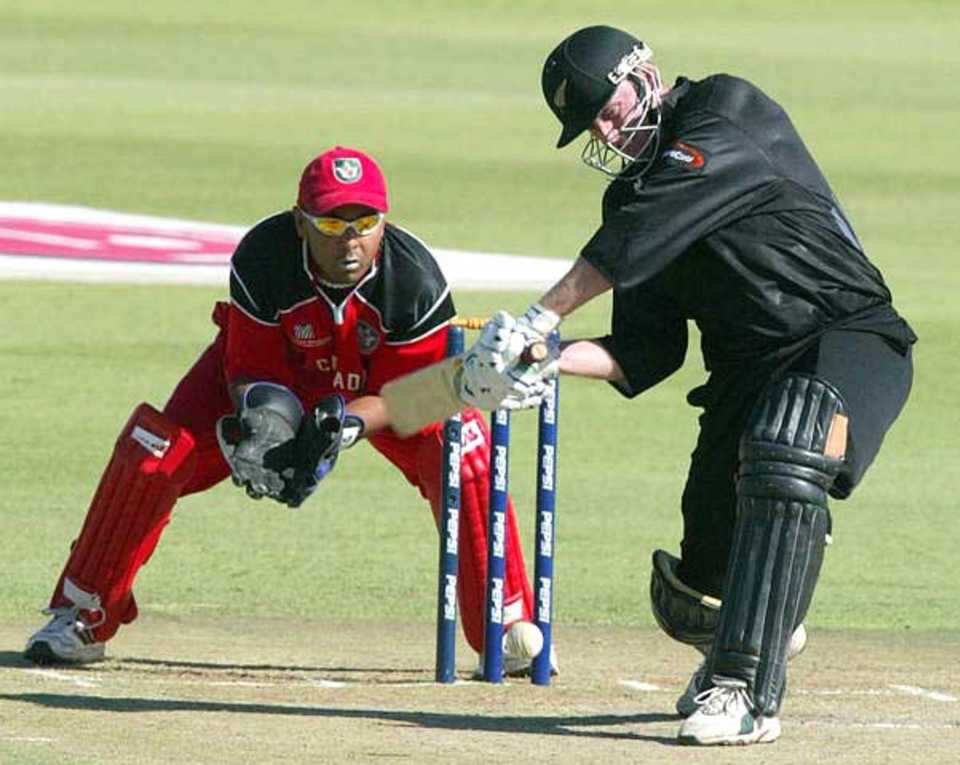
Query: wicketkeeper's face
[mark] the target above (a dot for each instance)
(343, 242)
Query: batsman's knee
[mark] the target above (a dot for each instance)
(795, 442)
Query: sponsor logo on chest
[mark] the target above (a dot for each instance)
(306, 336)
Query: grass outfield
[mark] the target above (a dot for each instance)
(78, 358)
(183, 109)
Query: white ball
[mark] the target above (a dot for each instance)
(524, 639)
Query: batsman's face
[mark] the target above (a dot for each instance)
(624, 133)
(621, 111)
(345, 259)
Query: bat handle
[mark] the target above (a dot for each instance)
(534, 352)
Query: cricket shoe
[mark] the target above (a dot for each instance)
(65, 639)
(686, 705)
(522, 643)
(725, 716)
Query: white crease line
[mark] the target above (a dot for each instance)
(912, 690)
(202, 683)
(318, 683)
(882, 725)
(891, 690)
(322, 683)
(28, 739)
(841, 692)
(227, 683)
(639, 685)
(62, 676)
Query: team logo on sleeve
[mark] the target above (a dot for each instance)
(367, 337)
(347, 169)
(685, 154)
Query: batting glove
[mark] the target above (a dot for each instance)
(537, 325)
(493, 373)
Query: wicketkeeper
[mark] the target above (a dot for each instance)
(328, 302)
(717, 213)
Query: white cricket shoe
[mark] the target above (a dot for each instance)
(686, 705)
(522, 643)
(65, 639)
(725, 716)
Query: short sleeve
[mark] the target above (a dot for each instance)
(706, 176)
(648, 339)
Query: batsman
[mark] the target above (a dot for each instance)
(716, 213)
(328, 302)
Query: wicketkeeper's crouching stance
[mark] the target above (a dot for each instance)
(328, 303)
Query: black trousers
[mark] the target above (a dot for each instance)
(872, 376)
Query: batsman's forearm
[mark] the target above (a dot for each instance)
(581, 283)
(589, 358)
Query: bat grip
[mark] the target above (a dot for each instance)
(536, 351)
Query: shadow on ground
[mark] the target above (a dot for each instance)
(16, 659)
(562, 725)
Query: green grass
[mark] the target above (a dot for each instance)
(194, 111)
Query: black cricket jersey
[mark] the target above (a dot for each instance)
(734, 227)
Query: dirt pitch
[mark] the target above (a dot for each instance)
(273, 691)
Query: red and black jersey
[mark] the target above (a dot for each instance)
(286, 327)
(734, 227)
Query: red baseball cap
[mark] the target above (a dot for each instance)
(342, 176)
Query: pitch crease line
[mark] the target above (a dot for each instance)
(64, 677)
(913, 690)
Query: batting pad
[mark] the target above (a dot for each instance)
(789, 456)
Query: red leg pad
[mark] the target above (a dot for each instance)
(152, 460)
(474, 508)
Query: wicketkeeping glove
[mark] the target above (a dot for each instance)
(307, 459)
(276, 450)
(268, 415)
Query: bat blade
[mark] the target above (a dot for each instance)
(431, 394)
(425, 396)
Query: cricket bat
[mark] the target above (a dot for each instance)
(430, 394)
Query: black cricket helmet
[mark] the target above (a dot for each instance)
(582, 73)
